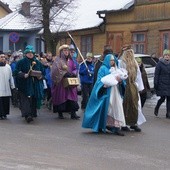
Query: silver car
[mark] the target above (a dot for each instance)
(149, 64)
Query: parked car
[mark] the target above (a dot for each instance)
(149, 64)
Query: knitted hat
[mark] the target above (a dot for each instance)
(166, 52)
(139, 60)
(29, 49)
(89, 55)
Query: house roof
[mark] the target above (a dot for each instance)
(127, 6)
(87, 16)
(83, 17)
(18, 22)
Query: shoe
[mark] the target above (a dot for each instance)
(5, 116)
(111, 129)
(135, 128)
(125, 128)
(60, 116)
(74, 116)
(29, 119)
(119, 133)
(156, 112)
(100, 130)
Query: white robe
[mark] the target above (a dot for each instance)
(115, 111)
(116, 106)
(7, 81)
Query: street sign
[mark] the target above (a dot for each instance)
(14, 37)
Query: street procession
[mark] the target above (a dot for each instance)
(99, 74)
(113, 86)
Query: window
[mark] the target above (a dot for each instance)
(86, 44)
(139, 42)
(165, 41)
(148, 62)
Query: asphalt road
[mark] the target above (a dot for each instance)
(49, 143)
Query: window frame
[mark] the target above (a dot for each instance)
(85, 48)
(162, 33)
(144, 43)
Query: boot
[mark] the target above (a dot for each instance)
(74, 115)
(135, 128)
(156, 111)
(111, 129)
(29, 119)
(60, 115)
(125, 128)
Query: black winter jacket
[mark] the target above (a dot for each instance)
(162, 78)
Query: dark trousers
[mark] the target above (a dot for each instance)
(86, 91)
(28, 105)
(143, 97)
(4, 105)
(168, 105)
(15, 98)
(159, 102)
(48, 93)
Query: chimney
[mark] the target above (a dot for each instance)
(25, 9)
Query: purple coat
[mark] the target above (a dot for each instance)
(61, 94)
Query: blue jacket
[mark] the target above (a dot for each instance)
(48, 76)
(84, 74)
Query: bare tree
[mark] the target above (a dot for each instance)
(54, 16)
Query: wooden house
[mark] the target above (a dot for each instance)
(145, 24)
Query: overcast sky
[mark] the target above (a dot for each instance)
(84, 4)
(84, 16)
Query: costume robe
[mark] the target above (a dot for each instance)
(96, 112)
(64, 99)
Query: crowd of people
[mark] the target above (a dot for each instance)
(113, 88)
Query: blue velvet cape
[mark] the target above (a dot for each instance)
(97, 107)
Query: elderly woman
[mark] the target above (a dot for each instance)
(64, 99)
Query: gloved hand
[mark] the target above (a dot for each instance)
(67, 75)
(26, 75)
(73, 75)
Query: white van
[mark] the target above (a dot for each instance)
(149, 64)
